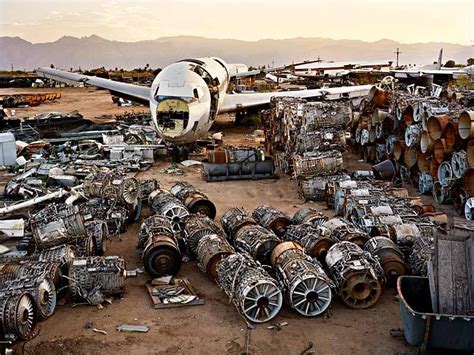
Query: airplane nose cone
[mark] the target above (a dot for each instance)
(172, 117)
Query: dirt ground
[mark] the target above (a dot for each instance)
(215, 327)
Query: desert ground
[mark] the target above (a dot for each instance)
(215, 327)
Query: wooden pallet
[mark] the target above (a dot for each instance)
(183, 283)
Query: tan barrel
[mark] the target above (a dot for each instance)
(466, 125)
(437, 126)
(434, 165)
(470, 154)
(422, 162)
(410, 156)
(426, 143)
(398, 149)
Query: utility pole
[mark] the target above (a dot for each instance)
(398, 54)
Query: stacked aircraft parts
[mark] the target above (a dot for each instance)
(307, 139)
(421, 139)
(158, 247)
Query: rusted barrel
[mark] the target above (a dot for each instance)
(470, 154)
(218, 157)
(442, 150)
(434, 165)
(410, 157)
(466, 125)
(451, 134)
(426, 143)
(399, 148)
(378, 97)
(437, 126)
(469, 182)
(422, 162)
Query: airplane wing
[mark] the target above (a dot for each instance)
(234, 102)
(140, 94)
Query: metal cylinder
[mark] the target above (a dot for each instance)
(41, 288)
(441, 150)
(113, 184)
(93, 278)
(17, 315)
(421, 252)
(384, 170)
(308, 215)
(356, 275)
(445, 173)
(194, 200)
(410, 157)
(211, 249)
(272, 219)
(389, 255)
(158, 246)
(255, 294)
(306, 285)
(434, 165)
(256, 241)
(399, 148)
(234, 219)
(437, 126)
(147, 186)
(413, 135)
(469, 209)
(469, 182)
(165, 204)
(343, 230)
(426, 143)
(459, 163)
(315, 240)
(98, 231)
(442, 194)
(57, 224)
(197, 227)
(31, 269)
(378, 97)
(466, 125)
(470, 154)
(451, 135)
(425, 185)
(408, 115)
(422, 162)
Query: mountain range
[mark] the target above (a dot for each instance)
(94, 51)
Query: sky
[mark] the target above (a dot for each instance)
(406, 21)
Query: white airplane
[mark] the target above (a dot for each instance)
(431, 70)
(186, 97)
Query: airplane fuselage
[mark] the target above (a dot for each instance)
(185, 98)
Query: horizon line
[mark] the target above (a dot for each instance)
(236, 39)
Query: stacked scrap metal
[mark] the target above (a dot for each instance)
(415, 136)
(307, 139)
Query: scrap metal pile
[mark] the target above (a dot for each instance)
(307, 140)
(54, 248)
(414, 136)
(23, 100)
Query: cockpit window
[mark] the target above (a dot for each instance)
(184, 98)
(196, 94)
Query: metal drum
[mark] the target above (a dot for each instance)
(271, 218)
(255, 294)
(196, 227)
(356, 275)
(158, 247)
(234, 219)
(193, 199)
(309, 215)
(211, 249)
(165, 204)
(306, 285)
(389, 255)
(17, 315)
(256, 241)
(343, 230)
(314, 240)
